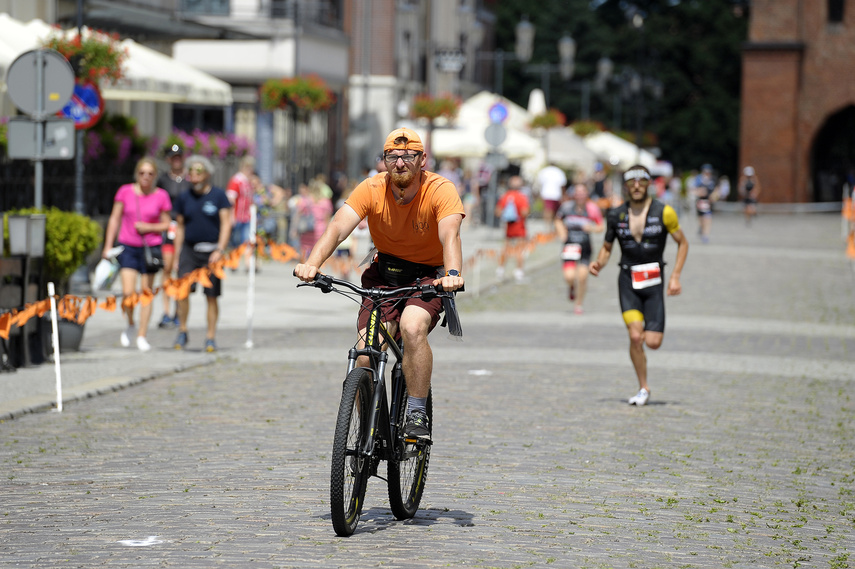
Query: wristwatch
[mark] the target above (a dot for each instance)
(452, 273)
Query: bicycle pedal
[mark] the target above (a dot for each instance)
(417, 441)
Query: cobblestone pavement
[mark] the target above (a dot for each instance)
(744, 458)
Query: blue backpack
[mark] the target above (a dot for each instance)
(510, 212)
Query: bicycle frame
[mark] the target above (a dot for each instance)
(382, 426)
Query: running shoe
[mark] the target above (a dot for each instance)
(180, 341)
(166, 322)
(210, 345)
(519, 275)
(142, 344)
(579, 310)
(126, 336)
(418, 425)
(640, 398)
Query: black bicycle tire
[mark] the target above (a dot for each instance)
(348, 484)
(407, 477)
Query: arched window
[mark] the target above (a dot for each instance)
(835, 11)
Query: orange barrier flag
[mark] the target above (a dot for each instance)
(5, 325)
(146, 297)
(87, 309)
(109, 304)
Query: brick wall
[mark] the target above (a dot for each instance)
(796, 74)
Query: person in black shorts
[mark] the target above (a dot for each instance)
(575, 220)
(174, 181)
(204, 225)
(641, 226)
(705, 195)
(749, 190)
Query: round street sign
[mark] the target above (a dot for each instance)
(498, 113)
(57, 85)
(85, 106)
(495, 134)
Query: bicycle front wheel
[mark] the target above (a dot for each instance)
(408, 469)
(350, 472)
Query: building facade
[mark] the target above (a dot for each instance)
(375, 55)
(798, 103)
(404, 48)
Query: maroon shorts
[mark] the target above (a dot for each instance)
(391, 311)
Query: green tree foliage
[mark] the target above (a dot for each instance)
(691, 48)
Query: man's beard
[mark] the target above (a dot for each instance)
(640, 201)
(403, 179)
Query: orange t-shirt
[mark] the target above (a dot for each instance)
(406, 231)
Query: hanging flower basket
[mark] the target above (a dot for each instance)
(95, 57)
(432, 108)
(309, 93)
(584, 128)
(550, 119)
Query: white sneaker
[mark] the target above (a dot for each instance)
(126, 336)
(519, 275)
(142, 344)
(640, 398)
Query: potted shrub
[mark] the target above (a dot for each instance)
(69, 239)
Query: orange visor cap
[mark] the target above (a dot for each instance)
(411, 140)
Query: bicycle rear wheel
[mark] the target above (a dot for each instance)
(350, 472)
(408, 469)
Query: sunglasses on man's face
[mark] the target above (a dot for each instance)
(407, 158)
(197, 170)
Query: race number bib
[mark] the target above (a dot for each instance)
(571, 252)
(704, 206)
(646, 275)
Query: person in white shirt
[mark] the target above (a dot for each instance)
(551, 180)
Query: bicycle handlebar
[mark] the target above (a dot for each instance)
(327, 284)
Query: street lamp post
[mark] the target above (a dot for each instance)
(566, 67)
(522, 53)
(637, 80)
(523, 48)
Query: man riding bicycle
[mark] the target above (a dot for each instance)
(414, 218)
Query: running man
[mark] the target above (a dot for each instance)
(575, 220)
(642, 226)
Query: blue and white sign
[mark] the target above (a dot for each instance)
(498, 113)
(85, 106)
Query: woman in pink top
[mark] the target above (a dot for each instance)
(315, 206)
(140, 213)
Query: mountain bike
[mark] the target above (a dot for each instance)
(370, 426)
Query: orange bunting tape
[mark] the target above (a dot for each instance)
(78, 309)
